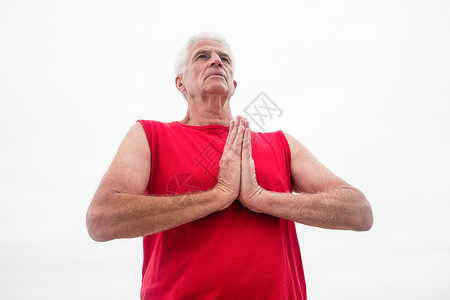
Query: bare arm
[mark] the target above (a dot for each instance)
(324, 200)
(120, 210)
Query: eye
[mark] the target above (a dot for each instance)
(226, 59)
(201, 56)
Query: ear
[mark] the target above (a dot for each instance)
(179, 83)
(235, 85)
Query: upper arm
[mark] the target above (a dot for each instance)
(130, 170)
(308, 174)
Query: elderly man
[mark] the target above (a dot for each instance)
(213, 200)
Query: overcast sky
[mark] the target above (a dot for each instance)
(365, 85)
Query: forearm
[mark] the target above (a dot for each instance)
(340, 208)
(121, 215)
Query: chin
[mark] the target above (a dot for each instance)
(219, 89)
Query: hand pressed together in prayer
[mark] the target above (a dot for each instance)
(237, 177)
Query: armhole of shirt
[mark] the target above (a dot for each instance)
(148, 131)
(147, 125)
(287, 153)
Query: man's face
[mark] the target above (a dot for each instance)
(208, 71)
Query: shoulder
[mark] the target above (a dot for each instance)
(292, 141)
(300, 155)
(136, 138)
(308, 173)
(297, 149)
(152, 128)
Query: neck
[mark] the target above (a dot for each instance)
(213, 109)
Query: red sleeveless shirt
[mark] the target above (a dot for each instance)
(231, 254)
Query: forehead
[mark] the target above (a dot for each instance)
(206, 44)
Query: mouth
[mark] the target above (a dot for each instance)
(215, 74)
(216, 78)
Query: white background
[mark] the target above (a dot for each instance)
(363, 84)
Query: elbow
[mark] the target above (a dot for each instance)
(364, 217)
(96, 225)
(365, 221)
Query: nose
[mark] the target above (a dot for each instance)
(215, 60)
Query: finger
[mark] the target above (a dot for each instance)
(235, 127)
(237, 146)
(247, 143)
(246, 134)
(230, 128)
(249, 138)
(232, 132)
(247, 124)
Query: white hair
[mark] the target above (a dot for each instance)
(183, 54)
